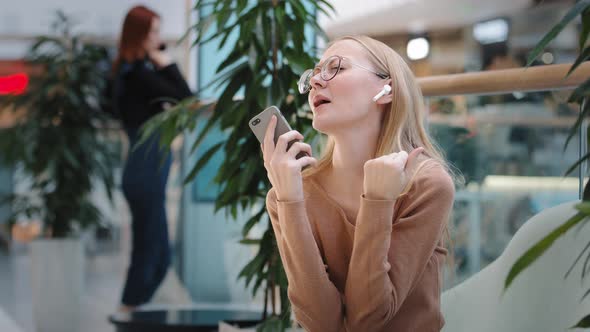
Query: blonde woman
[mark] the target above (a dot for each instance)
(360, 231)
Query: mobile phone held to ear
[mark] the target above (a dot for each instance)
(259, 123)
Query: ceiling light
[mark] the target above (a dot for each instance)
(547, 58)
(493, 31)
(418, 48)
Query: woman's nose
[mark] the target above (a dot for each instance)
(316, 81)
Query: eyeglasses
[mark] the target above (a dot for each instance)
(328, 71)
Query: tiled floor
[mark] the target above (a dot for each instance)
(104, 277)
(103, 283)
(105, 271)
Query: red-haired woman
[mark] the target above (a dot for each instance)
(143, 76)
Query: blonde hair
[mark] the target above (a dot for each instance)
(402, 127)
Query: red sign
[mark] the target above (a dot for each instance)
(13, 84)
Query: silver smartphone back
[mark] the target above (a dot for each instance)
(259, 123)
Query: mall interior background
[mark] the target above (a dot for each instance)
(508, 147)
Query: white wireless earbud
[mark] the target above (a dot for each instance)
(386, 89)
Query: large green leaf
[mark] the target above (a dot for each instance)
(236, 54)
(250, 241)
(70, 158)
(203, 161)
(223, 14)
(260, 278)
(585, 28)
(326, 11)
(577, 163)
(583, 323)
(584, 56)
(583, 114)
(586, 262)
(578, 8)
(252, 221)
(228, 29)
(580, 92)
(578, 259)
(211, 123)
(531, 255)
(272, 324)
(583, 207)
(254, 267)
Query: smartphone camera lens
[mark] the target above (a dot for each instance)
(255, 122)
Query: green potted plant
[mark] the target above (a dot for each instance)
(275, 42)
(579, 96)
(58, 147)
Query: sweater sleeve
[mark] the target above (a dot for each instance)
(315, 300)
(389, 257)
(173, 75)
(166, 82)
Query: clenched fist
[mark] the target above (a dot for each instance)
(387, 176)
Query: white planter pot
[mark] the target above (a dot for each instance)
(57, 284)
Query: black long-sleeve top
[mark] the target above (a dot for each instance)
(140, 86)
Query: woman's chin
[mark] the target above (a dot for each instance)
(320, 124)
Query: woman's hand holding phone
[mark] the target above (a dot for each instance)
(160, 58)
(282, 166)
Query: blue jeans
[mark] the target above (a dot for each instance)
(144, 186)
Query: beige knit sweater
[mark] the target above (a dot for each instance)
(380, 272)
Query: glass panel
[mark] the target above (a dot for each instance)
(210, 57)
(203, 188)
(509, 150)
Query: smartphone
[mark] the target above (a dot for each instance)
(259, 123)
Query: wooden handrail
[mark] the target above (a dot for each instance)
(538, 78)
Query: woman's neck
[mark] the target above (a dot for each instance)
(351, 151)
(355, 146)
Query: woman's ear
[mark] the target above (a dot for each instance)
(385, 96)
